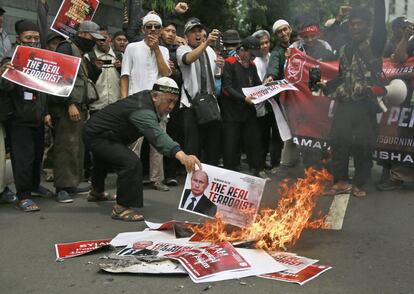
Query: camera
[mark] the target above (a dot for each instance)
(314, 78)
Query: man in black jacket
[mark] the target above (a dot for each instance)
(25, 127)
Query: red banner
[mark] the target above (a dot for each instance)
(71, 13)
(43, 70)
(310, 117)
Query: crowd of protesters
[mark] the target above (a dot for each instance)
(146, 89)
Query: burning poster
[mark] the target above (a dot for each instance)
(262, 92)
(234, 196)
(293, 262)
(302, 277)
(71, 13)
(43, 70)
(67, 250)
(310, 117)
(156, 248)
(207, 261)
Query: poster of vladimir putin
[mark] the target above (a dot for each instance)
(195, 199)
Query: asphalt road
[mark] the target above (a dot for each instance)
(372, 253)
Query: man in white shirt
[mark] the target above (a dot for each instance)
(143, 63)
(5, 44)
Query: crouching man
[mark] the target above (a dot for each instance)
(109, 133)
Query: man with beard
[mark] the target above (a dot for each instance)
(25, 127)
(69, 115)
(355, 89)
(110, 131)
(143, 63)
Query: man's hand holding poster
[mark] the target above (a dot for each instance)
(71, 13)
(43, 70)
(310, 117)
(234, 196)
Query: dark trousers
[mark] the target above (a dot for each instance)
(271, 140)
(202, 141)
(27, 145)
(69, 151)
(175, 131)
(248, 132)
(110, 155)
(353, 133)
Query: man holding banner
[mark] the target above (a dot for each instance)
(25, 126)
(355, 90)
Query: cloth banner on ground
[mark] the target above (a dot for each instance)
(71, 13)
(235, 197)
(310, 117)
(43, 70)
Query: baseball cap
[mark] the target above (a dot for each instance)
(53, 35)
(166, 85)
(192, 23)
(253, 44)
(92, 28)
(231, 37)
(399, 23)
(2, 11)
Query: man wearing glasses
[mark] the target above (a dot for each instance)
(143, 63)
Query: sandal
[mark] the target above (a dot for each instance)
(126, 214)
(96, 197)
(27, 205)
(336, 189)
(357, 192)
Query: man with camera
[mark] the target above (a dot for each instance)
(197, 62)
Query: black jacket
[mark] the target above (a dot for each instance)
(204, 205)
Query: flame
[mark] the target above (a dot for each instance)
(276, 229)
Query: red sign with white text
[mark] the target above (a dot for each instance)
(301, 277)
(71, 13)
(43, 70)
(67, 250)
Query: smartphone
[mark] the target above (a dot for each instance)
(108, 62)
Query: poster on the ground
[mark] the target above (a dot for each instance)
(43, 70)
(302, 277)
(211, 260)
(310, 117)
(71, 13)
(232, 196)
(67, 250)
(293, 262)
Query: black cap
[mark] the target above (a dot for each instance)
(2, 11)
(192, 23)
(360, 13)
(231, 37)
(253, 45)
(25, 25)
(119, 33)
(399, 23)
(53, 35)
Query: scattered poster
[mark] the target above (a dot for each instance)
(128, 238)
(134, 266)
(301, 277)
(43, 70)
(156, 248)
(211, 260)
(264, 92)
(169, 225)
(293, 262)
(234, 196)
(67, 250)
(71, 13)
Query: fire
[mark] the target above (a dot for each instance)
(276, 229)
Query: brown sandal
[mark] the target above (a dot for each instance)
(97, 197)
(336, 189)
(357, 192)
(126, 214)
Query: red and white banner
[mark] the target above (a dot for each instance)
(310, 117)
(71, 13)
(43, 70)
(67, 250)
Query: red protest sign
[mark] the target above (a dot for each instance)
(67, 250)
(71, 13)
(43, 70)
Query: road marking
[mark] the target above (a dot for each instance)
(337, 211)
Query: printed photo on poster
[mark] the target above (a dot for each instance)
(71, 13)
(43, 70)
(233, 196)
